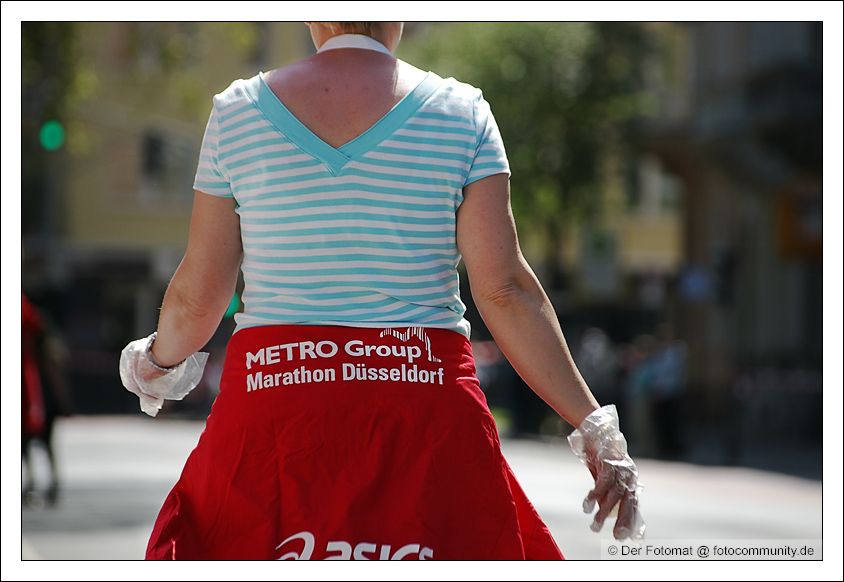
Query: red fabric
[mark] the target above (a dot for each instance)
(397, 466)
(32, 397)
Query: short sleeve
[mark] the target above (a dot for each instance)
(211, 178)
(490, 156)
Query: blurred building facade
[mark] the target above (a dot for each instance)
(740, 125)
(116, 204)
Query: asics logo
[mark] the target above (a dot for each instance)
(340, 550)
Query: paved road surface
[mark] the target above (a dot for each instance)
(116, 471)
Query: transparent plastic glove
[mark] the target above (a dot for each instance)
(600, 445)
(152, 385)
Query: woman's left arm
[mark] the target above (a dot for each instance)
(202, 287)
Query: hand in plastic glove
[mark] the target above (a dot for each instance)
(153, 384)
(600, 445)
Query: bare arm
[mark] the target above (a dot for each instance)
(513, 304)
(204, 283)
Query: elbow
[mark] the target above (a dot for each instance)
(515, 292)
(502, 295)
(512, 291)
(198, 308)
(194, 305)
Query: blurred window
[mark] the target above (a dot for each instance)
(167, 168)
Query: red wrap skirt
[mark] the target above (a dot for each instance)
(348, 443)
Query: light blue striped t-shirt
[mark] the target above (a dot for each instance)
(362, 235)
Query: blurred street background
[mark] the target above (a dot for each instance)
(668, 186)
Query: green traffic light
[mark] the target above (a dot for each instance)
(51, 135)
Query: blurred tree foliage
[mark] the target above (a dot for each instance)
(49, 53)
(168, 60)
(563, 94)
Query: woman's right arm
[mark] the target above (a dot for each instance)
(512, 302)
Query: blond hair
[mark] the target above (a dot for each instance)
(366, 28)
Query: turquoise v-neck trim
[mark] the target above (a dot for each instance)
(336, 158)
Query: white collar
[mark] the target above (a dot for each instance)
(359, 41)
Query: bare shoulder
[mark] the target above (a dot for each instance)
(292, 73)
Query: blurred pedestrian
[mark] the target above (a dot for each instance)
(45, 396)
(350, 422)
(668, 378)
(32, 395)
